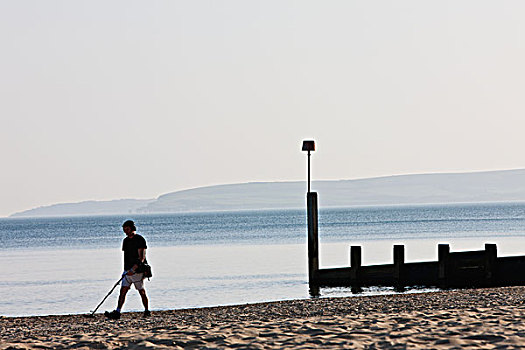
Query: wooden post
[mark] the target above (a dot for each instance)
(399, 262)
(355, 265)
(313, 237)
(491, 255)
(443, 257)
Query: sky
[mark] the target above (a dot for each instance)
(104, 100)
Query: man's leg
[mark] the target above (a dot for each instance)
(122, 297)
(115, 315)
(144, 298)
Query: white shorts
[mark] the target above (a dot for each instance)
(137, 279)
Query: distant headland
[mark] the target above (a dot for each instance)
(489, 186)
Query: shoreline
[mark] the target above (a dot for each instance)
(488, 318)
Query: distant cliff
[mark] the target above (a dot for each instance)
(492, 186)
(114, 207)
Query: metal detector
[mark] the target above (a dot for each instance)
(92, 314)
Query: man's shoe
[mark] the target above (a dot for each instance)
(147, 313)
(113, 315)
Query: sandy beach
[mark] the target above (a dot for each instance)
(484, 318)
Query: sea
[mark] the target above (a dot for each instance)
(67, 265)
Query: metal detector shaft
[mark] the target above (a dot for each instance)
(111, 291)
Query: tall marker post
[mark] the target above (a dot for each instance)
(313, 237)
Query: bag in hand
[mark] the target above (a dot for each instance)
(145, 268)
(147, 271)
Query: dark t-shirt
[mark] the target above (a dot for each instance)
(131, 247)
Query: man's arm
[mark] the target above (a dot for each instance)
(142, 257)
(142, 254)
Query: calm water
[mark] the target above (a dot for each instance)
(67, 265)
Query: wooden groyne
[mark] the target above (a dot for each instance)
(481, 268)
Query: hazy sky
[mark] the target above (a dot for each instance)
(132, 99)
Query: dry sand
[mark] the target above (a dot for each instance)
(483, 318)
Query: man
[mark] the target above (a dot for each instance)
(134, 247)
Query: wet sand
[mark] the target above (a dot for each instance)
(484, 318)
